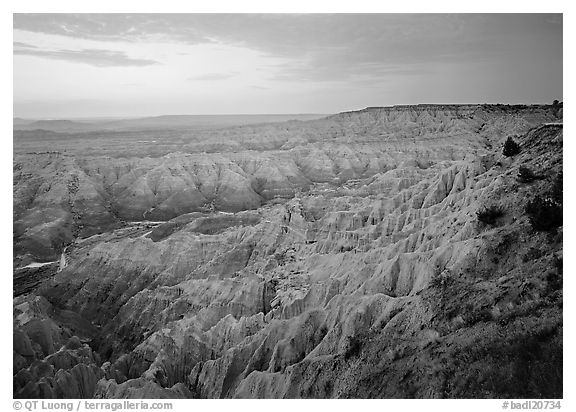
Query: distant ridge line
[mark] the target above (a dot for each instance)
(448, 106)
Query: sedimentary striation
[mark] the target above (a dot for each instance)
(340, 257)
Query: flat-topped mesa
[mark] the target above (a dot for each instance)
(472, 110)
(451, 106)
(482, 121)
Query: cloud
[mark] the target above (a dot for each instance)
(343, 71)
(320, 47)
(111, 26)
(93, 57)
(18, 44)
(212, 76)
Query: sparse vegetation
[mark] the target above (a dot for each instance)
(544, 213)
(472, 315)
(353, 348)
(489, 215)
(440, 279)
(522, 366)
(556, 106)
(554, 277)
(532, 254)
(557, 192)
(511, 148)
(526, 175)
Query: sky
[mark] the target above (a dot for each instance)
(130, 65)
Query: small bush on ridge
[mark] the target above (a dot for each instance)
(511, 148)
(490, 214)
(526, 175)
(544, 213)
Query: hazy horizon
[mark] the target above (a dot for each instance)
(79, 118)
(70, 66)
(135, 117)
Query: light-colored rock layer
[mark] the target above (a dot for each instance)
(382, 284)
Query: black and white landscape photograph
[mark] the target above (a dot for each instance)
(287, 206)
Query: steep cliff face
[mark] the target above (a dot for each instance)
(347, 260)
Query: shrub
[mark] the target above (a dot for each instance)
(490, 214)
(532, 254)
(526, 175)
(440, 279)
(556, 106)
(353, 348)
(554, 281)
(473, 316)
(557, 192)
(511, 148)
(544, 213)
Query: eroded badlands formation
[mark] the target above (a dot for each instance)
(340, 257)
